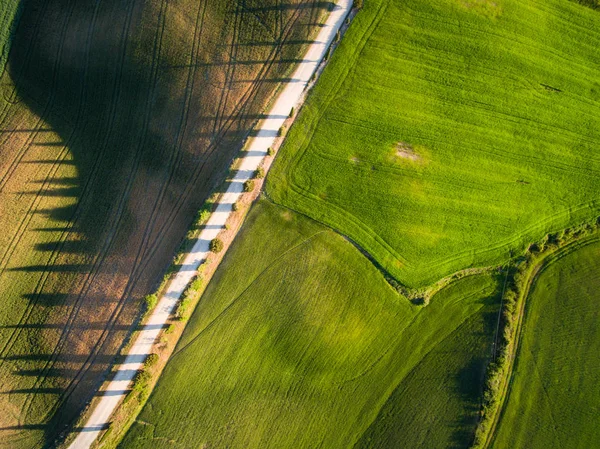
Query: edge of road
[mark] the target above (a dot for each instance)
(289, 98)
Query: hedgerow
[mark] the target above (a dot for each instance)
(518, 279)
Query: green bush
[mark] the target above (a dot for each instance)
(281, 131)
(203, 215)
(141, 380)
(196, 284)
(292, 112)
(260, 173)
(182, 309)
(249, 185)
(271, 152)
(216, 245)
(235, 207)
(151, 360)
(150, 301)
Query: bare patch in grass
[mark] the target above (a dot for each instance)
(488, 8)
(406, 151)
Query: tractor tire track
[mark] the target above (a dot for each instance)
(237, 113)
(108, 242)
(139, 268)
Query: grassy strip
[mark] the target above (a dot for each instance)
(520, 278)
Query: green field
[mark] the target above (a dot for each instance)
(446, 133)
(9, 11)
(554, 395)
(300, 342)
(117, 120)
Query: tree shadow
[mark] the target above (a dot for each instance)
(135, 112)
(470, 380)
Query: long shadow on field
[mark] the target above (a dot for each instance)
(423, 407)
(143, 106)
(470, 380)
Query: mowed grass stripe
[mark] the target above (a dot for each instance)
(452, 119)
(299, 341)
(554, 392)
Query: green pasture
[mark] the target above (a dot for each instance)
(554, 396)
(9, 10)
(300, 342)
(446, 133)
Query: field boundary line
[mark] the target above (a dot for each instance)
(267, 133)
(513, 347)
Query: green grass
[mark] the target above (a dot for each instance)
(446, 133)
(555, 387)
(117, 120)
(300, 342)
(9, 11)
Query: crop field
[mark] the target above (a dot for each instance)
(446, 133)
(117, 119)
(300, 342)
(9, 11)
(555, 387)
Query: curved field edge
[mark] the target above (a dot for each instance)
(299, 341)
(522, 277)
(333, 144)
(554, 387)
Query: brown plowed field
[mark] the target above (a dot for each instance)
(117, 119)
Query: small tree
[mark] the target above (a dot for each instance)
(249, 185)
(141, 380)
(150, 301)
(216, 245)
(196, 284)
(151, 360)
(203, 215)
(292, 112)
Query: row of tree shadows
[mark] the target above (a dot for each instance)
(145, 156)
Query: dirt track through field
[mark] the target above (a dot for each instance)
(289, 98)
